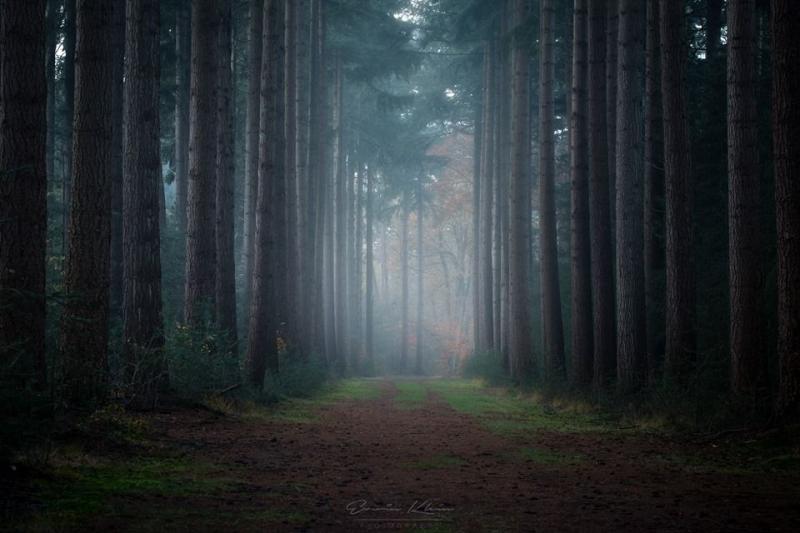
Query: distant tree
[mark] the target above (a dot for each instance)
(630, 176)
(680, 299)
(582, 350)
(23, 190)
(369, 363)
(744, 241)
(420, 279)
(612, 57)
(404, 284)
(551, 292)
(200, 242)
(84, 323)
(786, 134)
(142, 319)
(485, 279)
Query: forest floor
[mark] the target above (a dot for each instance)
(439, 455)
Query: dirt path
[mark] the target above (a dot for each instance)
(384, 463)
(443, 456)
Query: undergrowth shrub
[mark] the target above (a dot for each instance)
(200, 360)
(299, 377)
(487, 366)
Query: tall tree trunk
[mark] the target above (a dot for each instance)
(69, 112)
(631, 345)
(251, 164)
(713, 28)
(600, 223)
(420, 278)
(743, 202)
(292, 217)
(303, 72)
(313, 246)
(786, 135)
(328, 269)
(653, 191)
(143, 324)
(486, 306)
(50, 67)
(680, 298)
(520, 349)
(262, 352)
(84, 323)
(369, 364)
(117, 108)
(551, 293)
(200, 242)
(183, 61)
(582, 350)
(280, 236)
(23, 189)
(340, 201)
(404, 285)
(477, 156)
(225, 275)
(612, 56)
(356, 312)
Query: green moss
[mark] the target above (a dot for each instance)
(435, 462)
(410, 394)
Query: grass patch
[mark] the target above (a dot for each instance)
(436, 462)
(507, 412)
(410, 394)
(305, 410)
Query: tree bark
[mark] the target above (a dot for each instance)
(680, 294)
(476, 204)
(744, 248)
(84, 322)
(553, 327)
(23, 189)
(52, 8)
(631, 345)
(582, 349)
(225, 275)
(254, 60)
(200, 242)
(786, 137)
(143, 325)
(520, 349)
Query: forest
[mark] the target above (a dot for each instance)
(453, 265)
